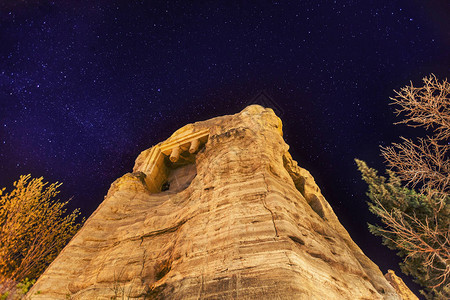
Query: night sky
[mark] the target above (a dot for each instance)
(85, 86)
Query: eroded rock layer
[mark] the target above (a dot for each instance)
(232, 217)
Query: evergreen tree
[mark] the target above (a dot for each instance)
(417, 222)
(413, 225)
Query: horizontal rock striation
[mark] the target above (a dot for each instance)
(232, 217)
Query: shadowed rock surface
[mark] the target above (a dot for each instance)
(237, 218)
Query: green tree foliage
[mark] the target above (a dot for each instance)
(34, 227)
(412, 225)
(417, 222)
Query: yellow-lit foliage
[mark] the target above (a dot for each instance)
(34, 227)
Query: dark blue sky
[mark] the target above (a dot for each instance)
(85, 86)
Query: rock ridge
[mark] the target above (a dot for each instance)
(219, 210)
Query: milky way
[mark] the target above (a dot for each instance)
(85, 87)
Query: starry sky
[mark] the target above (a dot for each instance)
(85, 86)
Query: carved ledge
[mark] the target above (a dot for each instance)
(156, 167)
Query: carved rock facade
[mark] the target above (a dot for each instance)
(220, 210)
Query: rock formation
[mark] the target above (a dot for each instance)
(219, 210)
(400, 286)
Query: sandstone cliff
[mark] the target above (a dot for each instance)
(220, 210)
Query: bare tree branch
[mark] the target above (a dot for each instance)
(423, 164)
(426, 106)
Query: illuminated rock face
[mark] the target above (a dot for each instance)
(400, 286)
(220, 210)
